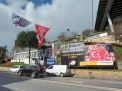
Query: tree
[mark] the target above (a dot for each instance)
(26, 39)
(74, 34)
(3, 51)
(62, 37)
(86, 33)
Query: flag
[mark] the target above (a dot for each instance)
(19, 21)
(40, 33)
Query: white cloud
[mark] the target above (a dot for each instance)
(62, 14)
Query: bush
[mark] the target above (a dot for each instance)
(118, 52)
(18, 63)
(11, 64)
(8, 64)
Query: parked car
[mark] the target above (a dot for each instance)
(33, 71)
(58, 70)
(16, 68)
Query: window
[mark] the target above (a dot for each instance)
(21, 66)
(50, 67)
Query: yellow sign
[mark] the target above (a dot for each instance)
(87, 63)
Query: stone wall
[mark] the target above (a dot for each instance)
(98, 74)
(104, 39)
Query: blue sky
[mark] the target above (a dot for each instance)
(58, 15)
(36, 2)
(4, 1)
(40, 2)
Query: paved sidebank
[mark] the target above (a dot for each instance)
(4, 68)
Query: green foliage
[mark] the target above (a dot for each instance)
(26, 39)
(1, 60)
(118, 52)
(19, 63)
(11, 64)
(3, 51)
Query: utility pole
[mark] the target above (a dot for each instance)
(92, 22)
(68, 46)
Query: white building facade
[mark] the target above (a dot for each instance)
(23, 55)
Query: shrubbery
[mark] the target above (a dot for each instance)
(11, 64)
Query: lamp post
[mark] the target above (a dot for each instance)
(69, 45)
(29, 51)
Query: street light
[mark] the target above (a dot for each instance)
(29, 50)
(69, 45)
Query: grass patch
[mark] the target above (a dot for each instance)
(118, 52)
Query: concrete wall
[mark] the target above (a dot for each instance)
(104, 39)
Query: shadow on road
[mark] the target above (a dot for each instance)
(9, 78)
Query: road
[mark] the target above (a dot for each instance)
(12, 82)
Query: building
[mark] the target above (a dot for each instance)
(22, 55)
(69, 45)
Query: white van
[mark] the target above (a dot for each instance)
(59, 70)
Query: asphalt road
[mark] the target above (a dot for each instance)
(12, 82)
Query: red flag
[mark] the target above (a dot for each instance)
(40, 33)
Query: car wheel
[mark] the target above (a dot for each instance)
(33, 75)
(47, 74)
(61, 74)
(20, 73)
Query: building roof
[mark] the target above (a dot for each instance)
(113, 7)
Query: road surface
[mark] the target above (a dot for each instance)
(12, 82)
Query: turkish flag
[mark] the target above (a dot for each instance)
(40, 33)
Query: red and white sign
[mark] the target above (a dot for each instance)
(40, 33)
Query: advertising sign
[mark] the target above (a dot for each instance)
(51, 61)
(100, 54)
(91, 55)
(72, 58)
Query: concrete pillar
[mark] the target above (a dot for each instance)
(110, 23)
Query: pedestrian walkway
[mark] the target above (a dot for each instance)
(91, 83)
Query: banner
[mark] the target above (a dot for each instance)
(91, 55)
(40, 33)
(100, 52)
(19, 21)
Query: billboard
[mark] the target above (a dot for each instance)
(91, 55)
(72, 58)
